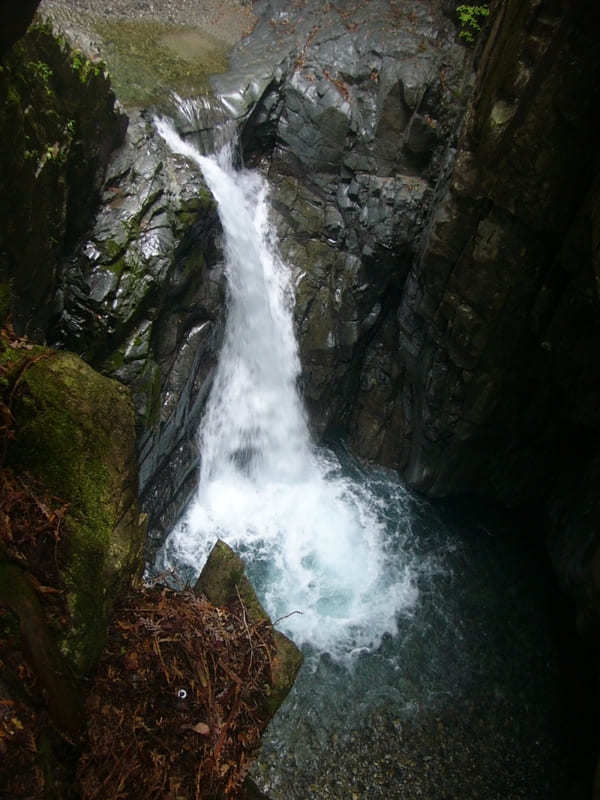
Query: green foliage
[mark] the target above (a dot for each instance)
(43, 73)
(41, 69)
(470, 18)
(84, 67)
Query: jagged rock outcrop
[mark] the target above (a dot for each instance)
(496, 334)
(489, 351)
(222, 580)
(143, 294)
(359, 125)
(143, 300)
(446, 300)
(447, 285)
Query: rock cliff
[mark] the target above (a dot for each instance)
(71, 538)
(443, 239)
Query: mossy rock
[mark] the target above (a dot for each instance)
(74, 431)
(222, 578)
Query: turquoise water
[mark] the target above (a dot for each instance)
(462, 701)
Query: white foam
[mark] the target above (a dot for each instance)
(315, 541)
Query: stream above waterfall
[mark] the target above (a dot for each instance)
(429, 669)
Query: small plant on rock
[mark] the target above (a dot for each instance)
(470, 18)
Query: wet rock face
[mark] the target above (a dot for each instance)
(137, 292)
(447, 298)
(485, 377)
(446, 290)
(143, 301)
(497, 323)
(353, 112)
(359, 119)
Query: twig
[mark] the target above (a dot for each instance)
(285, 616)
(245, 625)
(158, 652)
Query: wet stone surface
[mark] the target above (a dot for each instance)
(351, 112)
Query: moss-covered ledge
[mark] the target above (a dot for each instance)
(74, 432)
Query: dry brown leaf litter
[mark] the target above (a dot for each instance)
(177, 708)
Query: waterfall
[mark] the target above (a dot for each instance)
(348, 547)
(315, 540)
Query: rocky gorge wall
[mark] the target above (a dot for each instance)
(496, 332)
(442, 232)
(444, 248)
(59, 125)
(72, 538)
(444, 239)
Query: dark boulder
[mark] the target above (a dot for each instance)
(17, 16)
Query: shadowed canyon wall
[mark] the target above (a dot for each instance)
(497, 331)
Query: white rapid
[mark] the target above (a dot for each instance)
(315, 541)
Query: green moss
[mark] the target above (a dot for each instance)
(287, 662)
(113, 250)
(85, 68)
(190, 210)
(43, 73)
(148, 60)
(114, 362)
(223, 577)
(206, 200)
(131, 226)
(75, 433)
(470, 19)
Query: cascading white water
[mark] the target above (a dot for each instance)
(315, 541)
(347, 547)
